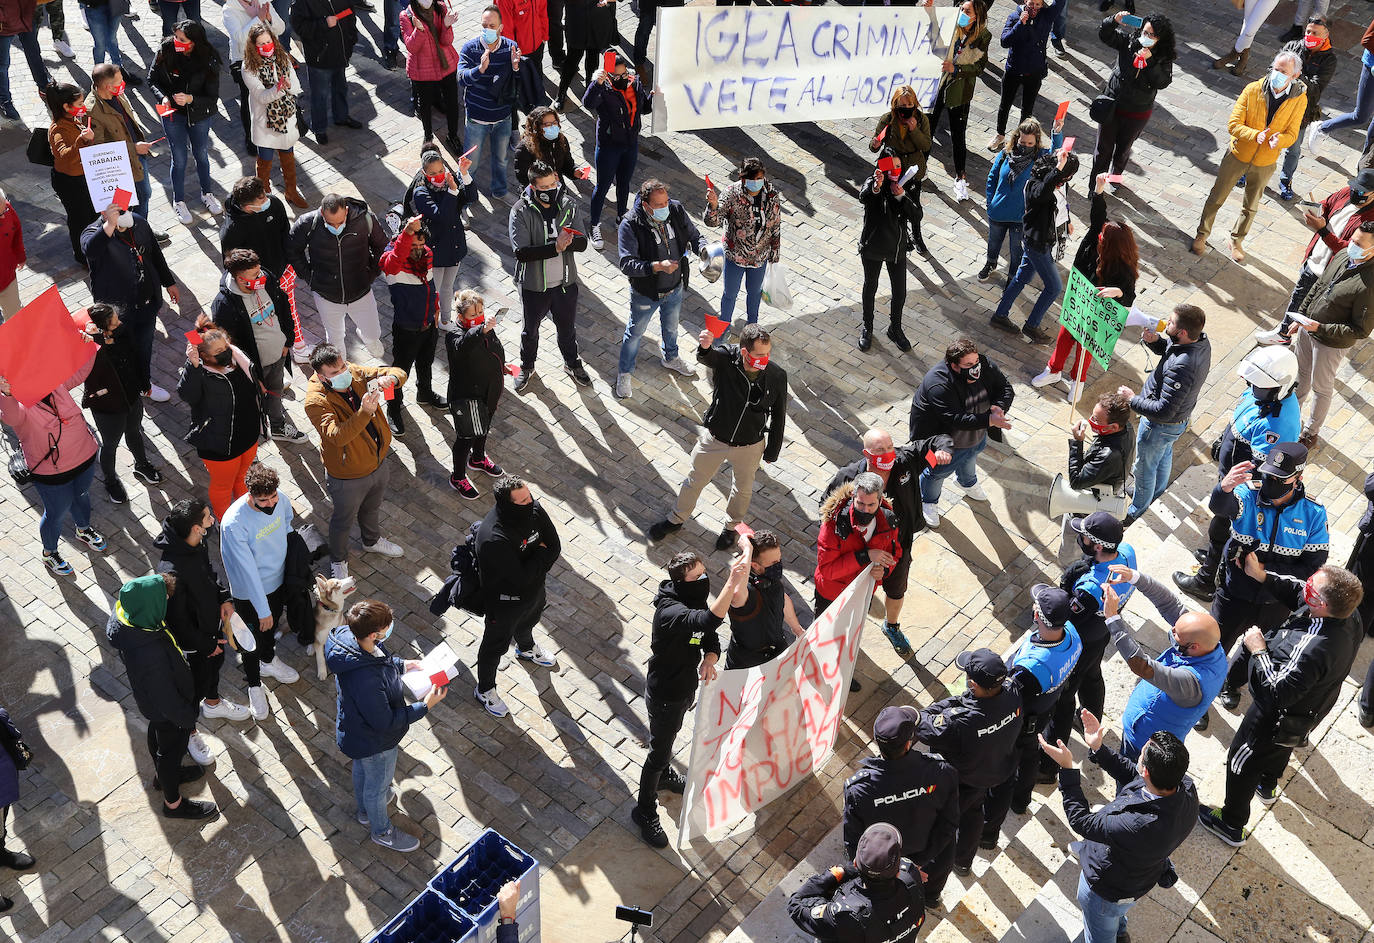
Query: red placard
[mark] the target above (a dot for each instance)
(1114, 178)
(439, 679)
(121, 198)
(193, 338)
(887, 165)
(1063, 110)
(40, 349)
(389, 392)
(716, 326)
(164, 110)
(608, 62)
(1069, 143)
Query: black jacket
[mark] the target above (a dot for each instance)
(339, 268)
(226, 411)
(561, 160)
(916, 792)
(1129, 840)
(1318, 69)
(325, 47)
(903, 487)
(1106, 463)
(938, 407)
(613, 123)
(231, 313)
(857, 910)
(193, 610)
(1038, 228)
(758, 633)
(515, 551)
(265, 233)
(1133, 89)
(173, 73)
(640, 247)
(683, 628)
(476, 366)
(588, 26)
(886, 234)
(114, 276)
(975, 735)
(1366, 525)
(742, 410)
(1085, 259)
(117, 376)
(159, 675)
(1171, 390)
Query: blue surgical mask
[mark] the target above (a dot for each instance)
(490, 36)
(262, 208)
(1147, 41)
(1278, 81)
(335, 230)
(1356, 254)
(660, 214)
(754, 186)
(341, 381)
(551, 132)
(964, 20)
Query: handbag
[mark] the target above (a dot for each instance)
(775, 289)
(38, 150)
(16, 747)
(471, 417)
(1102, 108)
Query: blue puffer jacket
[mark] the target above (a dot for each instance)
(414, 300)
(442, 211)
(1006, 191)
(1025, 42)
(373, 713)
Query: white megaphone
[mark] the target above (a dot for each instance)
(1065, 500)
(1138, 318)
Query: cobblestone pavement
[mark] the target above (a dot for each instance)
(286, 861)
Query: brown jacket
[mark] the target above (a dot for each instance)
(347, 449)
(64, 137)
(107, 122)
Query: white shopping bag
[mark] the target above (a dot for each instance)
(775, 290)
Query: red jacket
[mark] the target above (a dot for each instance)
(422, 54)
(1338, 240)
(526, 22)
(841, 551)
(11, 245)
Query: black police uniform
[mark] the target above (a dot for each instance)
(757, 631)
(978, 737)
(859, 909)
(916, 792)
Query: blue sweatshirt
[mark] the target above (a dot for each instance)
(1006, 192)
(253, 547)
(486, 93)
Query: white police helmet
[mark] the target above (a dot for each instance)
(1270, 368)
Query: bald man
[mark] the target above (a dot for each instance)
(1176, 688)
(900, 470)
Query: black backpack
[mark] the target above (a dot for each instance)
(463, 588)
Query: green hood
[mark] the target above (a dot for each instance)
(142, 603)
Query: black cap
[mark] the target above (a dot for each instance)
(1284, 460)
(983, 666)
(879, 854)
(1363, 181)
(896, 725)
(1051, 604)
(1102, 527)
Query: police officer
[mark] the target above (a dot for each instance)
(912, 790)
(1295, 675)
(900, 469)
(1101, 537)
(1268, 413)
(763, 620)
(878, 897)
(1279, 523)
(976, 732)
(683, 649)
(1038, 671)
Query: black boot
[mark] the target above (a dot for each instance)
(865, 337)
(894, 334)
(1200, 585)
(395, 417)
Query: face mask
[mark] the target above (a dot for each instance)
(436, 179)
(904, 113)
(1147, 41)
(426, 4)
(754, 186)
(383, 636)
(1278, 81)
(1020, 150)
(1355, 254)
(883, 461)
(78, 111)
(964, 20)
(223, 359)
(126, 220)
(1309, 593)
(1313, 42)
(770, 574)
(862, 518)
(260, 208)
(551, 132)
(180, 46)
(473, 322)
(1179, 647)
(974, 372)
(755, 363)
(621, 81)
(489, 36)
(335, 230)
(1087, 546)
(341, 381)
(257, 283)
(266, 50)
(1097, 427)
(660, 214)
(118, 90)
(1264, 394)
(1273, 489)
(546, 197)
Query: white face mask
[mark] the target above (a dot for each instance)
(126, 220)
(426, 4)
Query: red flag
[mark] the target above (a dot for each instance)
(744, 530)
(1063, 110)
(512, 370)
(40, 348)
(716, 326)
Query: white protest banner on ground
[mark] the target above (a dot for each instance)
(107, 169)
(727, 67)
(760, 731)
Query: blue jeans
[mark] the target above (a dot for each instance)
(753, 290)
(174, 11)
(997, 231)
(144, 189)
(1061, 20)
(283, 8)
(642, 308)
(1364, 107)
(183, 135)
(963, 466)
(327, 87)
(372, 776)
(29, 43)
(1289, 164)
(1103, 920)
(104, 28)
(1033, 262)
(74, 496)
(613, 164)
(391, 26)
(476, 135)
(1154, 459)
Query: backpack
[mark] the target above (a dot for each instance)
(463, 588)
(39, 151)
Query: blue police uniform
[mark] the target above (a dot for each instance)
(1255, 427)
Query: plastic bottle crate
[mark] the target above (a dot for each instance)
(471, 881)
(429, 918)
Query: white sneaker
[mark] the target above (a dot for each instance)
(338, 571)
(199, 749)
(932, 514)
(226, 709)
(279, 670)
(257, 702)
(961, 191)
(385, 547)
(1271, 337)
(211, 203)
(64, 48)
(157, 394)
(285, 383)
(1044, 378)
(183, 213)
(975, 492)
(597, 242)
(1066, 379)
(492, 702)
(624, 386)
(1316, 138)
(539, 655)
(678, 365)
(301, 353)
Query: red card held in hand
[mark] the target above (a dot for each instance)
(439, 679)
(121, 198)
(193, 338)
(584, 172)
(1063, 110)
(744, 530)
(881, 134)
(887, 165)
(716, 326)
(930, 458)
(346, 11)
(512, 370)
(709, 184)
(1069, 143)
(164, 110)
(571, 231)
(608, 62)
(389, 392)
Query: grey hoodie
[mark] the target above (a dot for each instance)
(539, 266)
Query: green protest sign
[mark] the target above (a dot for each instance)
(1094, 322)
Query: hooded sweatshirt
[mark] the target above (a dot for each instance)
(253, 546)
(265, 232)
(516, 544)
(258, 321)
(193, 611)
(414, 299)
(683, 629)
(158, 673)
(373, 714)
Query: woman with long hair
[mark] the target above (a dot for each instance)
(1109, 257)
(432, 67)
(186, 72)
(272, 91)
(904, 133)
(69, 132)
(1144, 66)
(542, 139)
(966, 62)
(751, 212)
(1006, 191)
(1025, 35)
(239, 17)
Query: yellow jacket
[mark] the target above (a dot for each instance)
(1248, 121)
